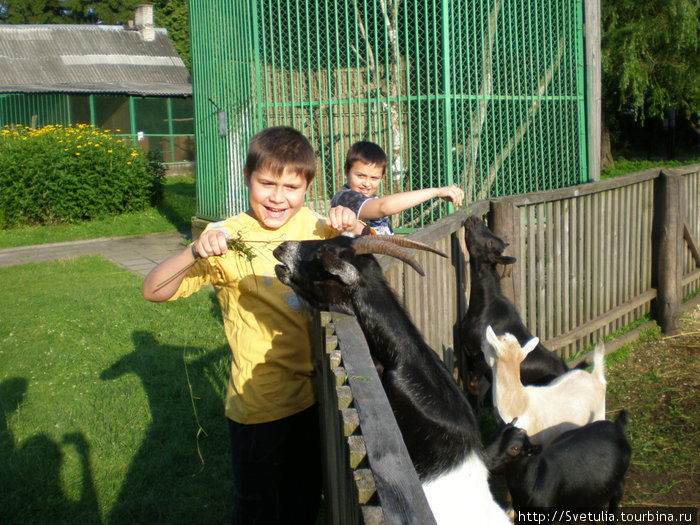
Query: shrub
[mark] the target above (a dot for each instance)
(62, 174)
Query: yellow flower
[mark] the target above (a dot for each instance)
(77, 153)
(134, 154)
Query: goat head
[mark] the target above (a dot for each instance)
(327, 271)
(484, 245)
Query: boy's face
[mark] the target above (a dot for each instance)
(365, 178)
(274, 199)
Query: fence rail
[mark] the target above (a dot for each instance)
(591, 259)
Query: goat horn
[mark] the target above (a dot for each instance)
(388, 245)
(405, 243)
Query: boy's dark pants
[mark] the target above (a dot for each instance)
(277, 470)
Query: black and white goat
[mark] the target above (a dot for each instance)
(582, 469)
(488, 306)
(435, 419)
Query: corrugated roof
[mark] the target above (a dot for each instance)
(89, 59)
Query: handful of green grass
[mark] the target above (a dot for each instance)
(237, 246)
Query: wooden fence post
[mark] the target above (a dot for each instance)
(504, 222)
(668, 239)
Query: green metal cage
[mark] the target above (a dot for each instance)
(485, 94)
(162, 125)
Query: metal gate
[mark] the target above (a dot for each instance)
(485, 94)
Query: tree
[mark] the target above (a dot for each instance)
(30, 11)
(650, 61)
(174, 16)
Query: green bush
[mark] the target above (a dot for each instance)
(62, 174)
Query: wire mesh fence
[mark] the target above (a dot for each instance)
(485, 94)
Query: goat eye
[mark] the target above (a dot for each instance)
(514, 450)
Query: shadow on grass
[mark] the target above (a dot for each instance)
(30, 472)
(168, 481)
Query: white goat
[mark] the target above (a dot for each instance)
(544, 411)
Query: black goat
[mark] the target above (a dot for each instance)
(435, 419)
(488, 306)
(582, 469)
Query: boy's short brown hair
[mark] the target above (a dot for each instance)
(279, 148)
(367, 152)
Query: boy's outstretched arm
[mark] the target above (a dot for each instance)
(210, 243)
(398, 202)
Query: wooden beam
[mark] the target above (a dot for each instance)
(505, 223)
(669, 234)
(593, 77)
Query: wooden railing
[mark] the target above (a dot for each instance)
(591, 259)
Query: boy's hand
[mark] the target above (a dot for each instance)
(209, 244)
(452, 194)
(341, 219)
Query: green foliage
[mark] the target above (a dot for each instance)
(174, 16)
(650, 56)
(175, 212)
(56, 175)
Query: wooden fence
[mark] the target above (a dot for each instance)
(591, 259)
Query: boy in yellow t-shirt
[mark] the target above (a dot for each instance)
(270, 403)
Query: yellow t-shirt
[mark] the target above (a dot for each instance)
(266, 327)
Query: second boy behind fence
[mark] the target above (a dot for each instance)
(270, 403)
(364, 167)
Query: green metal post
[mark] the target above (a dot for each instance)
(93, 118)
(169, 106)
(132, 120)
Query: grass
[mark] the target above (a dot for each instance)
(97, 423)
(656, 380)
(174, 213)
(625, 166)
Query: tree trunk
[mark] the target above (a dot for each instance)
(606, 158)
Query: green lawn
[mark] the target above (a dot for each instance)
(100, 395)
(174, 213)
(625, 166)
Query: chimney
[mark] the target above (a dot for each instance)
(143, 20)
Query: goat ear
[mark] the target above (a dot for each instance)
(530, 346)
(334, 265)
(495, 343)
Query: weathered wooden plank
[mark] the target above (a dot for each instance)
(580, 190)
(398, 487)
(522, 264)
(541, 314)
(531, 271)
(560, 256)
(600, 322)
(692, 245)
(504, 223)
(548, 282)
